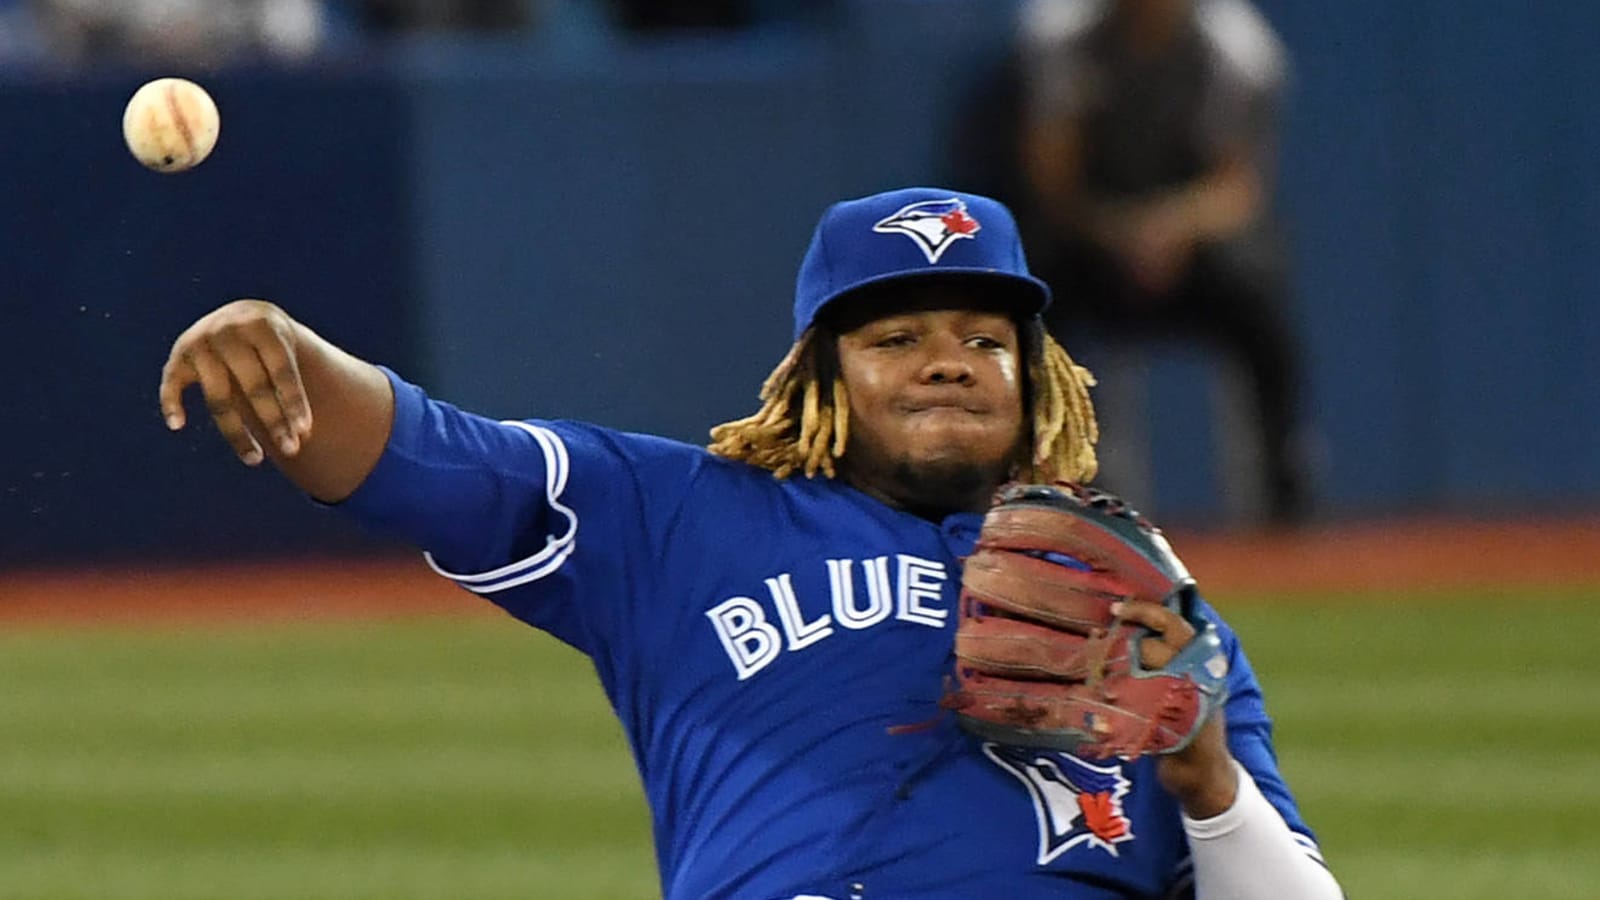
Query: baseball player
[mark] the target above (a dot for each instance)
(772, 617)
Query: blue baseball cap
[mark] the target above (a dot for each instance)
(918, 232)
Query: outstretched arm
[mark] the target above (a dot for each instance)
(278, 390)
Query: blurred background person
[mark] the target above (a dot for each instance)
(391, 16)
(216, 33)
(646, 15)
(1143, 169)
(724, 15)
(21, 40)
(177, 32)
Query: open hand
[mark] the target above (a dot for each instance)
(243, 357)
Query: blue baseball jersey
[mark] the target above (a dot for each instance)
(760, 640)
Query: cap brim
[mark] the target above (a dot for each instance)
(1024, 295)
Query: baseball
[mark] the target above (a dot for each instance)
(171, 124)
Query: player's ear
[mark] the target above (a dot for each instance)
(1030, 340)
(825, 353)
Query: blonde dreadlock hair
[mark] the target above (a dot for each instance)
(805, 426)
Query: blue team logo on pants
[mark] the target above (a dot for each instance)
(932, 224)
(1078, 803)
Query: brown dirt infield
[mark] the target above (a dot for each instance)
(1407, 555)
(1423, 554)
(254, 591)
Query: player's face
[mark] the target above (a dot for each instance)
(936, 418)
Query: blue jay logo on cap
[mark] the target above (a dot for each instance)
(933, 224)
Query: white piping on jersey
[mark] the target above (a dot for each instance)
(1308, 845)
(557, 547)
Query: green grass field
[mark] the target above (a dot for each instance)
(1442, 750)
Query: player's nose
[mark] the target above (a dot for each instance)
(945, 365)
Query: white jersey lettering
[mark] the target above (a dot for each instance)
(879, 604)
(914, 594)
(921, 582)
(751, 641)
(800, 633)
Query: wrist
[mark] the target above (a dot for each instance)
(1209, 792)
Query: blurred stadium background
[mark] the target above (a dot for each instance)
(212, 688)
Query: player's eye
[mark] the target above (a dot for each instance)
(895, 339)
(984, 342)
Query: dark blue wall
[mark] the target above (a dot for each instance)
(611, 234)
(104, 264)
(1441, 177)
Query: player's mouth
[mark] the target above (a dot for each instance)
(941, 409)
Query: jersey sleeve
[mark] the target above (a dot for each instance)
(1250, 742)
(550, 520)
(1250, 736)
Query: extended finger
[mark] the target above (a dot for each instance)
(283, 371)
(176, 376)
(223, 400)
(245, 367)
